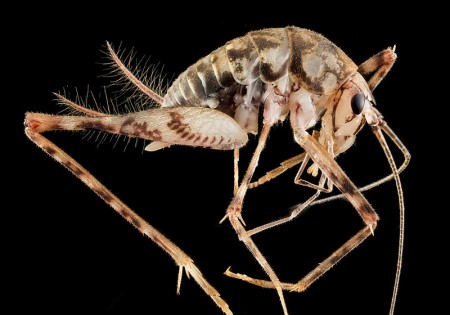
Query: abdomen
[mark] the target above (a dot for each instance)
(294, 56)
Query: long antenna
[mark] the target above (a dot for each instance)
(395, 173)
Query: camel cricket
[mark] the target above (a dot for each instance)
(263, 78)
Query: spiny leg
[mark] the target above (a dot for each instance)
(236, 170)
(129, 76)
(346, 186)
(406, 159)
(332, 171)
(251, 246)
(234, 214)
(379, 64)
(312, 201)
(313, 275)
(101, 121)
(181, 259)
(313, 169)
(342, 181)
(320, 187)
(284, 166)
(235, 206)
(295, 212)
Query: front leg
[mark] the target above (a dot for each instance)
(333, 172)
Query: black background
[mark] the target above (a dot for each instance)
(68, 251)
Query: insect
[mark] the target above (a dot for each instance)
(218, 101)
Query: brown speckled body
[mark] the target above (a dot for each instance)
(309, 60)
(215, 103)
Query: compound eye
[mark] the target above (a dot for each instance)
(357, 103)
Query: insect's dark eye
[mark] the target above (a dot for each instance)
(357, 103)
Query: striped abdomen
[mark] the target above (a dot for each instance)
(295, 56)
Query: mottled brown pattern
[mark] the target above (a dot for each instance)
(384, 59)
(191, 136)
(344, 185)
(270, 74)
(349, 189)
(176, 123)
(220, 80)
(185, 95)
(221, 67)
(128, 122)
(300, 43)
(243, 60)
(355, 197)
(105, 195)
(135, 222)
(226, 103)
(142, 129)
(242, 51)
(267, 43)
(76, 170)
(254, 56)
(340, 253)
(50, 150)
(267, 38)
(131, 217)
(195, 83)
(226, 79)
(205, 70)
(197, 138)
(139, 130)
(183, 129)
(157, 134)
(303, 42)
(95, 124)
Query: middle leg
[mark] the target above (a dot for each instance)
(234, 214)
